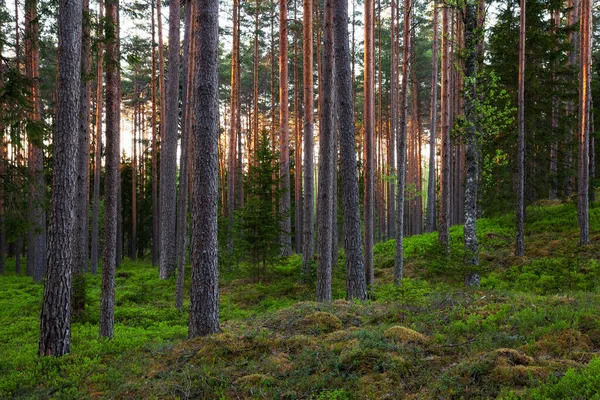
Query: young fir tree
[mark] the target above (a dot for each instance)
(258, 222)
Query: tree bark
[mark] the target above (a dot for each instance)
(369, 127)
(284, 137)
(168, 166)
(111, 179)
(401, 148)
(391, 195)
(95, 253)
(355, 267)
(446, 162)
(430, 214)
(204, 306)
(298, 143)
(82, 198)
(36, 251)
(327, 148)
(585, 99)
(309, 175)
(520, 243)
(162, 131)
(155, 216)
(55, 319)
(471, 145)
(233, 133)
(186, 132)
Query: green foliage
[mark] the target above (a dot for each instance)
(575, 384)
(258, 222)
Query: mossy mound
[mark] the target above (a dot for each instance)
(253, 380)
(401, 334)
(378, 386)
(321, 322)
(315, 318)
(568, 343)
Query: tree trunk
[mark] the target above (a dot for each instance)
(111, 179)
(168, 166)
(309, 175)
(327, 147)
(36, 251)
(233, 133)
(446, 162)
(255, 75)
(204, 306)
(430, 223)
(355, 267)
(573, 20)
(472, 38)
(401, 148)
(133, 249)
(155, 216)
(520, 244)
(298, 143)
(162, 131)
(284, 137)
(182, 205)
(555, 23)
(585, 99)
(55, 319)
(81, 230)
(95, 254)
(391, 195)
(369, 126)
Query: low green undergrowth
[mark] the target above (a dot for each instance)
(531, 331)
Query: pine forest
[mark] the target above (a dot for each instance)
(299, 199)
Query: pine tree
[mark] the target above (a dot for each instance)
(55, 319)
(204, 306)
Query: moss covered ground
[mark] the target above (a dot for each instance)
(531, 331)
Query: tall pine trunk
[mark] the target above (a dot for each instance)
(446, 159)
(369, 126)
(111, 178)
(471, 143)
(233, 133)
(401, 148)
(55, 319)
(81, 233)
(431, 181)
(284, 135)
(327, 147)
(182, 200)
(520, 241)
(355, 268)
(585, 100)
(309, 175)
(36, 252)
(204, 306)
(168, 166)
(155, 133)
(95, 251)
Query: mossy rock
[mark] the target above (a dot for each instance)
(321, 322)
(518, 375)
(401, 334)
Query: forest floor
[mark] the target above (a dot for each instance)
(531, 331)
